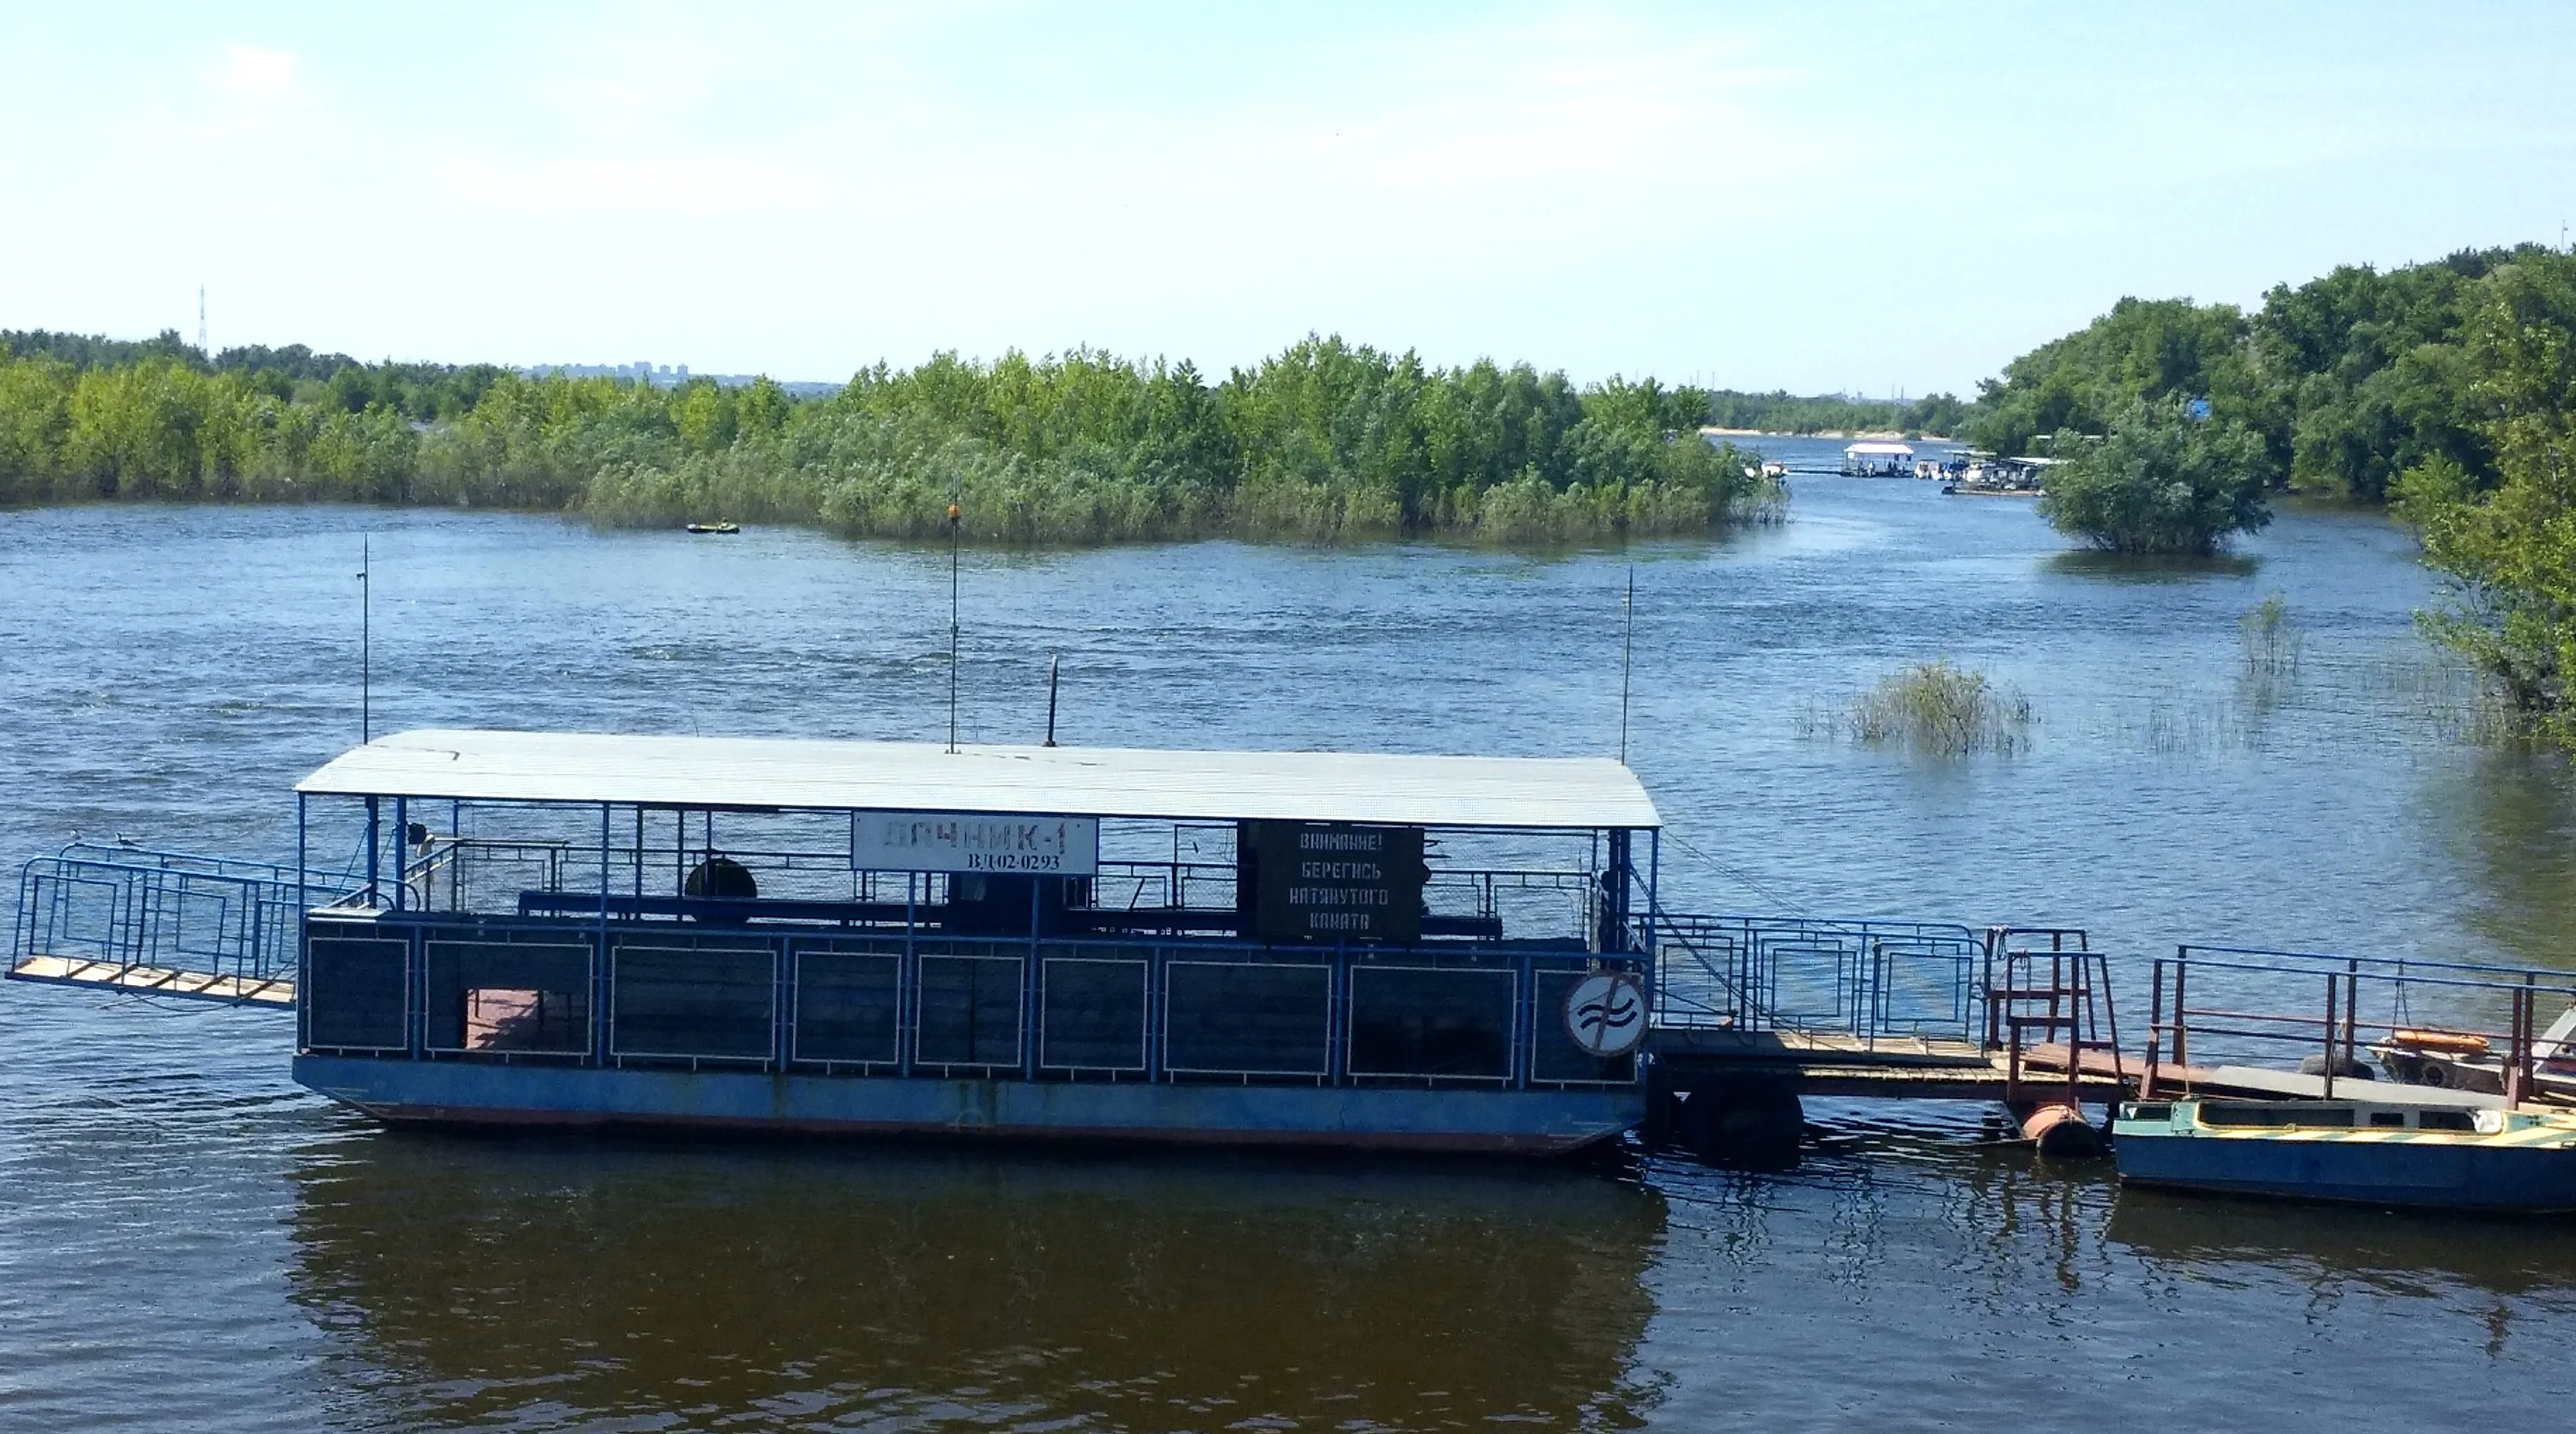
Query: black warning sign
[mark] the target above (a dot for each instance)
(1328, 881)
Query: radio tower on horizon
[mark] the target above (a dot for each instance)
(201, 324)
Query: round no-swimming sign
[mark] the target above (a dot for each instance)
(1605, 1013)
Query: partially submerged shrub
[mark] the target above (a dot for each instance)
(1941, 709)
(2160, 481)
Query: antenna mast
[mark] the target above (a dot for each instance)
(953, 515)
(1627, 658)
(1052, 659)
(201, 325)
(366, 638)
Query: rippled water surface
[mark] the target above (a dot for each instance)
(188, 1240)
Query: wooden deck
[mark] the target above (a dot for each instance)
(153, 981)
(1932, 1068)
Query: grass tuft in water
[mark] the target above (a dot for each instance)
(1941, 709)
(2270, 638)
(2450, 699)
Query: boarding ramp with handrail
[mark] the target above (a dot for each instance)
(166, 923)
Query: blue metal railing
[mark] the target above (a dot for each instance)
(1857, 977)
(122, 909)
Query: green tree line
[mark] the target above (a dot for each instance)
(1938, 415)
(2503, 536)
(1324, 440)
(2345, 381)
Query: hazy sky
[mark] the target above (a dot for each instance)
(1814, 196)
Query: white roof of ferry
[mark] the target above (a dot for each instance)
(1553, 792)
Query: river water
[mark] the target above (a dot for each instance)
(188, 1240)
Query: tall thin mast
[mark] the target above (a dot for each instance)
(366, 639)
(953, 515)
(1627, 658)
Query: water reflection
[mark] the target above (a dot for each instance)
(2512, 812)
(605, 1285)
(2396, 1252)
(2149, 568)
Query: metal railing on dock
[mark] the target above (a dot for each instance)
(2481, 1029)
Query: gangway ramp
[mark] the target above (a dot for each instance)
(145, 921)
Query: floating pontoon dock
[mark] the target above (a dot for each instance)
(1288, 948)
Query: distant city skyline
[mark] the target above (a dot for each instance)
(1861, 198)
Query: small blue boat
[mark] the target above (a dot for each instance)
(2353, 1152)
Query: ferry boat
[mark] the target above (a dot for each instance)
(2353, 1152)
(1877, 460)
(1283, 948)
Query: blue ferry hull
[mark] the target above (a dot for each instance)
(2426, 1174)
(1365, 1117)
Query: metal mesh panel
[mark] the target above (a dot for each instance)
(970, 1011)
(1246, 1018)
(356, 993)
(1415, 1021)
(1093, 1014)
(700, 1003)
(848, 1005)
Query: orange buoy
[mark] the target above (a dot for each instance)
(2060, 1131)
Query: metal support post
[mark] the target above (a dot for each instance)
(1031, 990)
(2332, 1010)
(303, 934)
(907, 981)
(2155, 1031)
(2181, 1025)
(2351, 1013)
(601, 977)
(402, 852)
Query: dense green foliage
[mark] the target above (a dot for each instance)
(1324, 440)
(1939, 414)
(2141, 351)
(2345, 381)
(2507, 546)
(2159, 481)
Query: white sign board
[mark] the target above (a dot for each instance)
(964, 841)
